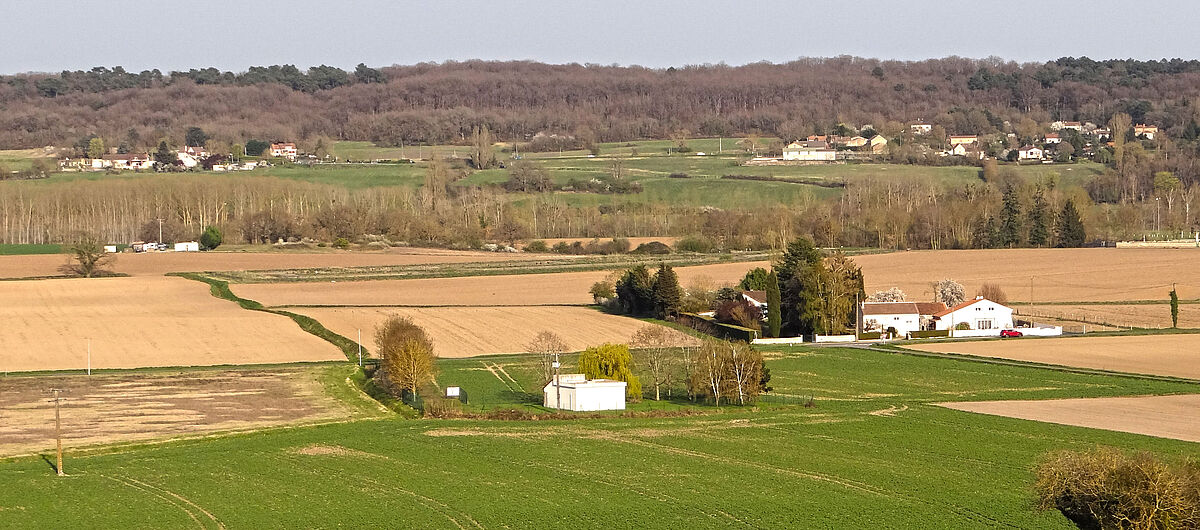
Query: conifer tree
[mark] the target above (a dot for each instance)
(1038, 223)
(1070, 231)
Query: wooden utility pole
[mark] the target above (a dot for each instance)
(58, 430)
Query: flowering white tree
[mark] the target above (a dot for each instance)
(948, 292)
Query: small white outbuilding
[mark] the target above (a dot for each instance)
(580, 394)
(187, 246)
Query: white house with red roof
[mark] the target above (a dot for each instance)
(284, 150)
(979, 314)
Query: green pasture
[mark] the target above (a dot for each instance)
(872, 452)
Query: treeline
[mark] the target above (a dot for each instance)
(582, 104)
(893, 213)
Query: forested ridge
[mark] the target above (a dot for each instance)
(441, 103)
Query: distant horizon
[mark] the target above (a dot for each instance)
(350, 67)
(226, 35)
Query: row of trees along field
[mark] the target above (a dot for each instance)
(441, 103)
(885, 213)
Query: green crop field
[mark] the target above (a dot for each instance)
(15, 249)
(873, 452)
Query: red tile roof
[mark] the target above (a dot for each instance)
(929, 308)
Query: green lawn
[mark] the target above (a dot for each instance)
(873, 452)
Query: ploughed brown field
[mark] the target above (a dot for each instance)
(141, 322)
(1162, 416)
(159, 263)
(470, 331)
(1059, 275)
(509, 290)
(1168, 355)
(1117, 315)
(108, 408)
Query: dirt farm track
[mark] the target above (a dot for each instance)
(141, 322)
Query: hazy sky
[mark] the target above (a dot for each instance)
(50, 35)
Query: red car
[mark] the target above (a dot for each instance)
(1004, 333)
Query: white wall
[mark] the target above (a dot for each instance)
(904, 323)
(586, 397)
(1000, 316)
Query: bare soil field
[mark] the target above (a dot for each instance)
(1059, 275)
(470, 331)
(159, 263)
(509, 290)
(1168, 355)
(1118, 315)
(1161, 416)
(140, 322)
(108, 408)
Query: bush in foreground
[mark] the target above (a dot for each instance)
(1106, 488)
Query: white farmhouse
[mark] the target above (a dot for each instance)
(979, 314)
(906, 317)
(284, 150)
(580, 394)
(879, 316)
(815, 151)
(1030, 152)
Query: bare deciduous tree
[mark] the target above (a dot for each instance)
(655, 344)
(546, 344)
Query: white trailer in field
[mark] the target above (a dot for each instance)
(187, 246)
(579, 394)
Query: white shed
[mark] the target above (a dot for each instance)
(580, 394)
(187, 246)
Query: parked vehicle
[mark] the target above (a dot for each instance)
(1004, 333)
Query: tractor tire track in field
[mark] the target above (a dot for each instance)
(430, 503)
(632, 486)
(492, 368)
(163, 493)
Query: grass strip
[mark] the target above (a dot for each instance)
(220, 289)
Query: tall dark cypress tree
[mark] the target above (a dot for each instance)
(774, 311)
(667, 293)
(1010, 219)
(1070, 231)
(1038, 222)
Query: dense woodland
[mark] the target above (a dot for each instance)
(441, 103)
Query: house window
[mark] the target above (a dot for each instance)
(985, 323)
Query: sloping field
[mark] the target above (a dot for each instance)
(1060, 275)
(1118, 315)
(158, 263)
(470, 331)
(140, 322)
(1161, 416)
(107, 408)
(510, 290)
(1169, 355)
